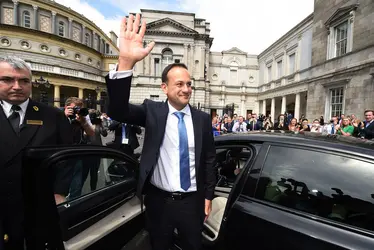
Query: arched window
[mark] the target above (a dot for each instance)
(87, 39)
(167, 57)
(61, 28)
(26, 19)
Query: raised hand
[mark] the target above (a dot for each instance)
(131, 43)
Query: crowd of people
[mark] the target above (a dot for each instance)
(344, 125)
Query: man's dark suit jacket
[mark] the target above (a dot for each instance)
(369, 131)
(153, 115)
(55, 130)
(131, 132)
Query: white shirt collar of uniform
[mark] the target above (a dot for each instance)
(186, 110)
(7, 107)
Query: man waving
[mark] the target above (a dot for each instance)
(177, 168)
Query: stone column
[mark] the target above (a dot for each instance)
(70, 31)
(185, 54)
(54, 22)
(36, 17)
(284, 104)
(243, 111)
(93, 40)
(98, 98)
(80, 93)
(297, 107)
(202, 62)
(207, 63)
(272, 111)
(191, 59)
(57, 96)
(264, 107)
(15, 12)
(83, 34)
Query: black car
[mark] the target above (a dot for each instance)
(274, 191)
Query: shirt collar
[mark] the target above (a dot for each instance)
(186, 110)
(8, 107)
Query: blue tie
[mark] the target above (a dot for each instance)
(184, 156)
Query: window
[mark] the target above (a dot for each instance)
(25, 45)
(87, 39)
(5, 42)
(336, 101)
(107, 48)
(335, 187)
(291, 63)
(230, 162)
(44, 48)
(167, 57)
(62, 52)
(94, 182)
(61, 28)
(280, 69)
(26, 19)
(269, 74)
(177, 61)
(341, 32)
(157, 67)
(154, 97)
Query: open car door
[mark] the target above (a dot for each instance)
(94, 187)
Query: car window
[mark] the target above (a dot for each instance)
(230, 162)
(335, 187)
(79, 176)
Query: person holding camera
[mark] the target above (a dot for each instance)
(79, 119)
(82, 127)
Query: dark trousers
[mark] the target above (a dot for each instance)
(163, 215)
(91, 165)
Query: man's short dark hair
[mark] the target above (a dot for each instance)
(369, 110)
(164, 76)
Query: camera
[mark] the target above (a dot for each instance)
(95, 117)
(78, 111)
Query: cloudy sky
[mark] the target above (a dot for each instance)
(250, 25)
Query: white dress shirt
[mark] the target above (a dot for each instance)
(166, 174)
(239, 127)
(7, 107)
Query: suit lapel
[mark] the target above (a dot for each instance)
(197, 127)
(28, 131)
(8, 137)
(162, 118)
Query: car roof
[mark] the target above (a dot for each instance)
(346, 143)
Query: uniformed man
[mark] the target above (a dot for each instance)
(23, 123)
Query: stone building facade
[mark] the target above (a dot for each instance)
(340, 79)
(61, 46)
(322, 66)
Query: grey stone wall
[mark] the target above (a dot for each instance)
(363, 34)
(323, 10)
(358, 94)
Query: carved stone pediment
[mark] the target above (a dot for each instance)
(340, 14)
(167, 25)
(234, 50)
